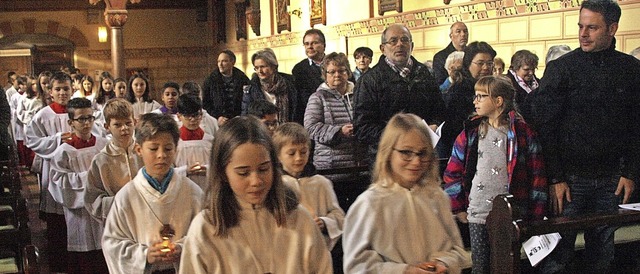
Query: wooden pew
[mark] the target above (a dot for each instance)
(507, 231)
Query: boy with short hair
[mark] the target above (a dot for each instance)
(315, 192)
(194, 147)
(266, 111)
(150, 215)
(47, 130)
(169, 95)
(69, 166)
(116, 164)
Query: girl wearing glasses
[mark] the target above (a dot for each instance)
(403, 206)
(496, 153)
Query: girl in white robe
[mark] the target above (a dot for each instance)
(403, 222)
(138, 94)
(251, 225)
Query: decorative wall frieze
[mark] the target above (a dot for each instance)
(152, 53)
(438, 16)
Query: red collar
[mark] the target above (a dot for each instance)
(188, 135)
(79, 143)
(58, 108)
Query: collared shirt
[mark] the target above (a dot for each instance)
(313, 62)
(159, 186)
(403, 71)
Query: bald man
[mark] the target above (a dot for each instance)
(459, 35)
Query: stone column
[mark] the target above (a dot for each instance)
(116, 19)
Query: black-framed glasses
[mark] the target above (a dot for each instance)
(84, 119)
(408, 155)
(193, 116)
(481, 64)
(480, 97)
(394, 40)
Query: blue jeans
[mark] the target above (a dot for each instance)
(588, 195)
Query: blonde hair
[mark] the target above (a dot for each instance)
(117, 108)
(290, 133)
(400, 124)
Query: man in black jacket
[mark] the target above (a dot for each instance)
(587, 110)
(306, 74)
(459, 35)
(398, 83)
(222, 90)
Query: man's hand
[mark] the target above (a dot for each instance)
(558, 192)
(627, 186)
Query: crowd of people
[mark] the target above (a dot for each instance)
(224, 178)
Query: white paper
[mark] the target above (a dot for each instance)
(434, 135)
(539, 247)
(635, 206)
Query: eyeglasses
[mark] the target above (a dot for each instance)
(394, 40)
(340, 71)
(408, 155)
(480, 97)
(481, 64)
(194, 116)
(85, 119)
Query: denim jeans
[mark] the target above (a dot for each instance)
(588, 195)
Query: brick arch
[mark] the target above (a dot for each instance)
(32, 26)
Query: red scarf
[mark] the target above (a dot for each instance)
(79, 143)
(58, 108)
(188, 135)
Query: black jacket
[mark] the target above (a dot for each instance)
(439, 71)
(381, 93)
(587, 112)
(219, 103)
(307, 79)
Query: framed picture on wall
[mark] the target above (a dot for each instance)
(318, 12)
(283, 17)
(389, 5)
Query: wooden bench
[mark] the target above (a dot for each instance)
(507, 231)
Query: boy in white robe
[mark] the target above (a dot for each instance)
(69, 167)
(251, 224)
(150, 215)
(194, 147)
(315, 192)
(116, 164)
(46, 131)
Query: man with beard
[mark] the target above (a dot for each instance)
(223, 89)
(586, 111)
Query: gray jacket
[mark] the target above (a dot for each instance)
(327, 111)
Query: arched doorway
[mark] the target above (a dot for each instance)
(30, 46)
